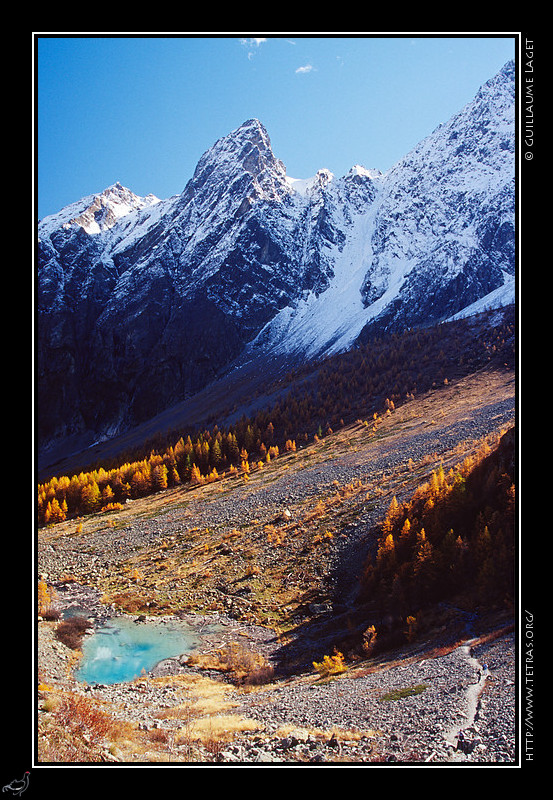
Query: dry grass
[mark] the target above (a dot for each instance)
(74, 728)
(324, 735)
(219, 727)
(198, 696)
(206, 715)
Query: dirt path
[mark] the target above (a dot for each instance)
(459, 736)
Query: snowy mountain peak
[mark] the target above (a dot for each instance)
(357, 169)
(99, 212)
(308, 186)
(139, 310)
(243, 158)
(323, 177)
(107, 208)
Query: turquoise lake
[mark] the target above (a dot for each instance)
(122, 649)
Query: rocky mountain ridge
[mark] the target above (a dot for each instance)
(142, 302)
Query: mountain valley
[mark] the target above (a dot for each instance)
(278, 560)
(143, 303)
(284, 413)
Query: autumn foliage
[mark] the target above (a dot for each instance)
(367, 381)
(46, 596)
(202, 460)
(455, 536)
(330, 665)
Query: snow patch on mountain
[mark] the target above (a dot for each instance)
(330, 320)
(504, 295)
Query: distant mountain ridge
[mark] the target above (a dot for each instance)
(142, 302)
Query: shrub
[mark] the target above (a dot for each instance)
(46, 596)
(78, 730)
(411, 628)
(112, 507)
(51, 614)
(260, 676)
(245, 666)
(71, 631)
(330, 665)
(158, 735)
(83, 717)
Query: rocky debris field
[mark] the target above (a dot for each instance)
(432, 707)
(428, 704)
(437, 428)
(436, 709)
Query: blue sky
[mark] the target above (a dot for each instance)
(142, 110)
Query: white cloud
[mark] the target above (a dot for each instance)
(303, 70)
(252, 43)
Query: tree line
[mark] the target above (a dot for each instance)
(208, 457)
(336, 391)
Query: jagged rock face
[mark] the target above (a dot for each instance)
(139, 313)
(447, 215)
(142, 302)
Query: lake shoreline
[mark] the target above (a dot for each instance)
(209, 632)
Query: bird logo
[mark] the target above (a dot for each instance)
(17, 787)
